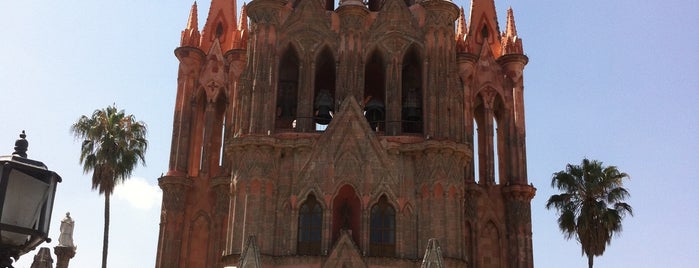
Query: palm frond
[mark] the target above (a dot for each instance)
(590, 205)
(617, 194)
(113, 144)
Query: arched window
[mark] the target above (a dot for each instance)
(219, 30)
(218, 133)
(375, 92)
(310, 227)
(488, 138)
(324, 92)
(346, 214)
(411, 77)
(382, 240)
(287, 90)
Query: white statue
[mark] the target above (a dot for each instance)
(66, 237)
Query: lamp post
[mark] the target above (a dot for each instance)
(27, 191)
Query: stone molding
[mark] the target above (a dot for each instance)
(174, 191)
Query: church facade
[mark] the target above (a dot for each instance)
(316, 133)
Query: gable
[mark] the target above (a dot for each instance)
(348, 150)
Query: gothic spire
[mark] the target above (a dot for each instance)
(433, 255)
(190, 35)
(483, 18)
(243, 23)
(241, 35)
(250, 258)
(193, 21)
(483, 26)
(220, 23)
(511, 28)
(461, 29)
(511, 43)
(461, 32)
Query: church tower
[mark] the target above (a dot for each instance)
(317, 133)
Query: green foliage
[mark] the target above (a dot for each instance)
(112, 145)
(590, 206)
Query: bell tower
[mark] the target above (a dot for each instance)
(196, 187)
(326, 133)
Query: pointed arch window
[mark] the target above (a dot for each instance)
(310, 227)
(324, 92)
(198, 132)
(218, 135)
(287, 90)
(411, 77)
(346, 214)
(485, 32)
(375, 92)
(489, 135)
(382, 240)
(219, 30)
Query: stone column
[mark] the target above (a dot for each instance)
(175, 190)
(63, 256)
(266, 17)
(519, 224)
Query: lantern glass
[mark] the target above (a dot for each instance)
(47, 209)
(24, 199)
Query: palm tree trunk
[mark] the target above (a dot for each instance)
(590, 259)
(105, 241)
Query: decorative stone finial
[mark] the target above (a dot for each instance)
(43, 259)
(21, 145)
(433, 255)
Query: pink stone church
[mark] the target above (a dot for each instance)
(318, 133)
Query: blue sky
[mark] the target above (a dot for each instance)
(609, 80)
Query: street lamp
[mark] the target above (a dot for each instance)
(27, 190)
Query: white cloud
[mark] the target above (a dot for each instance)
(139, 193)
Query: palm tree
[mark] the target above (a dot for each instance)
(112, 145)
(591, 206)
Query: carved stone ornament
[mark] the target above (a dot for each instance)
(221, 188)
(264, 12)
(488, 96)
(174, 192)
(395, 44)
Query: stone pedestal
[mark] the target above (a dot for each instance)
(63, 255)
